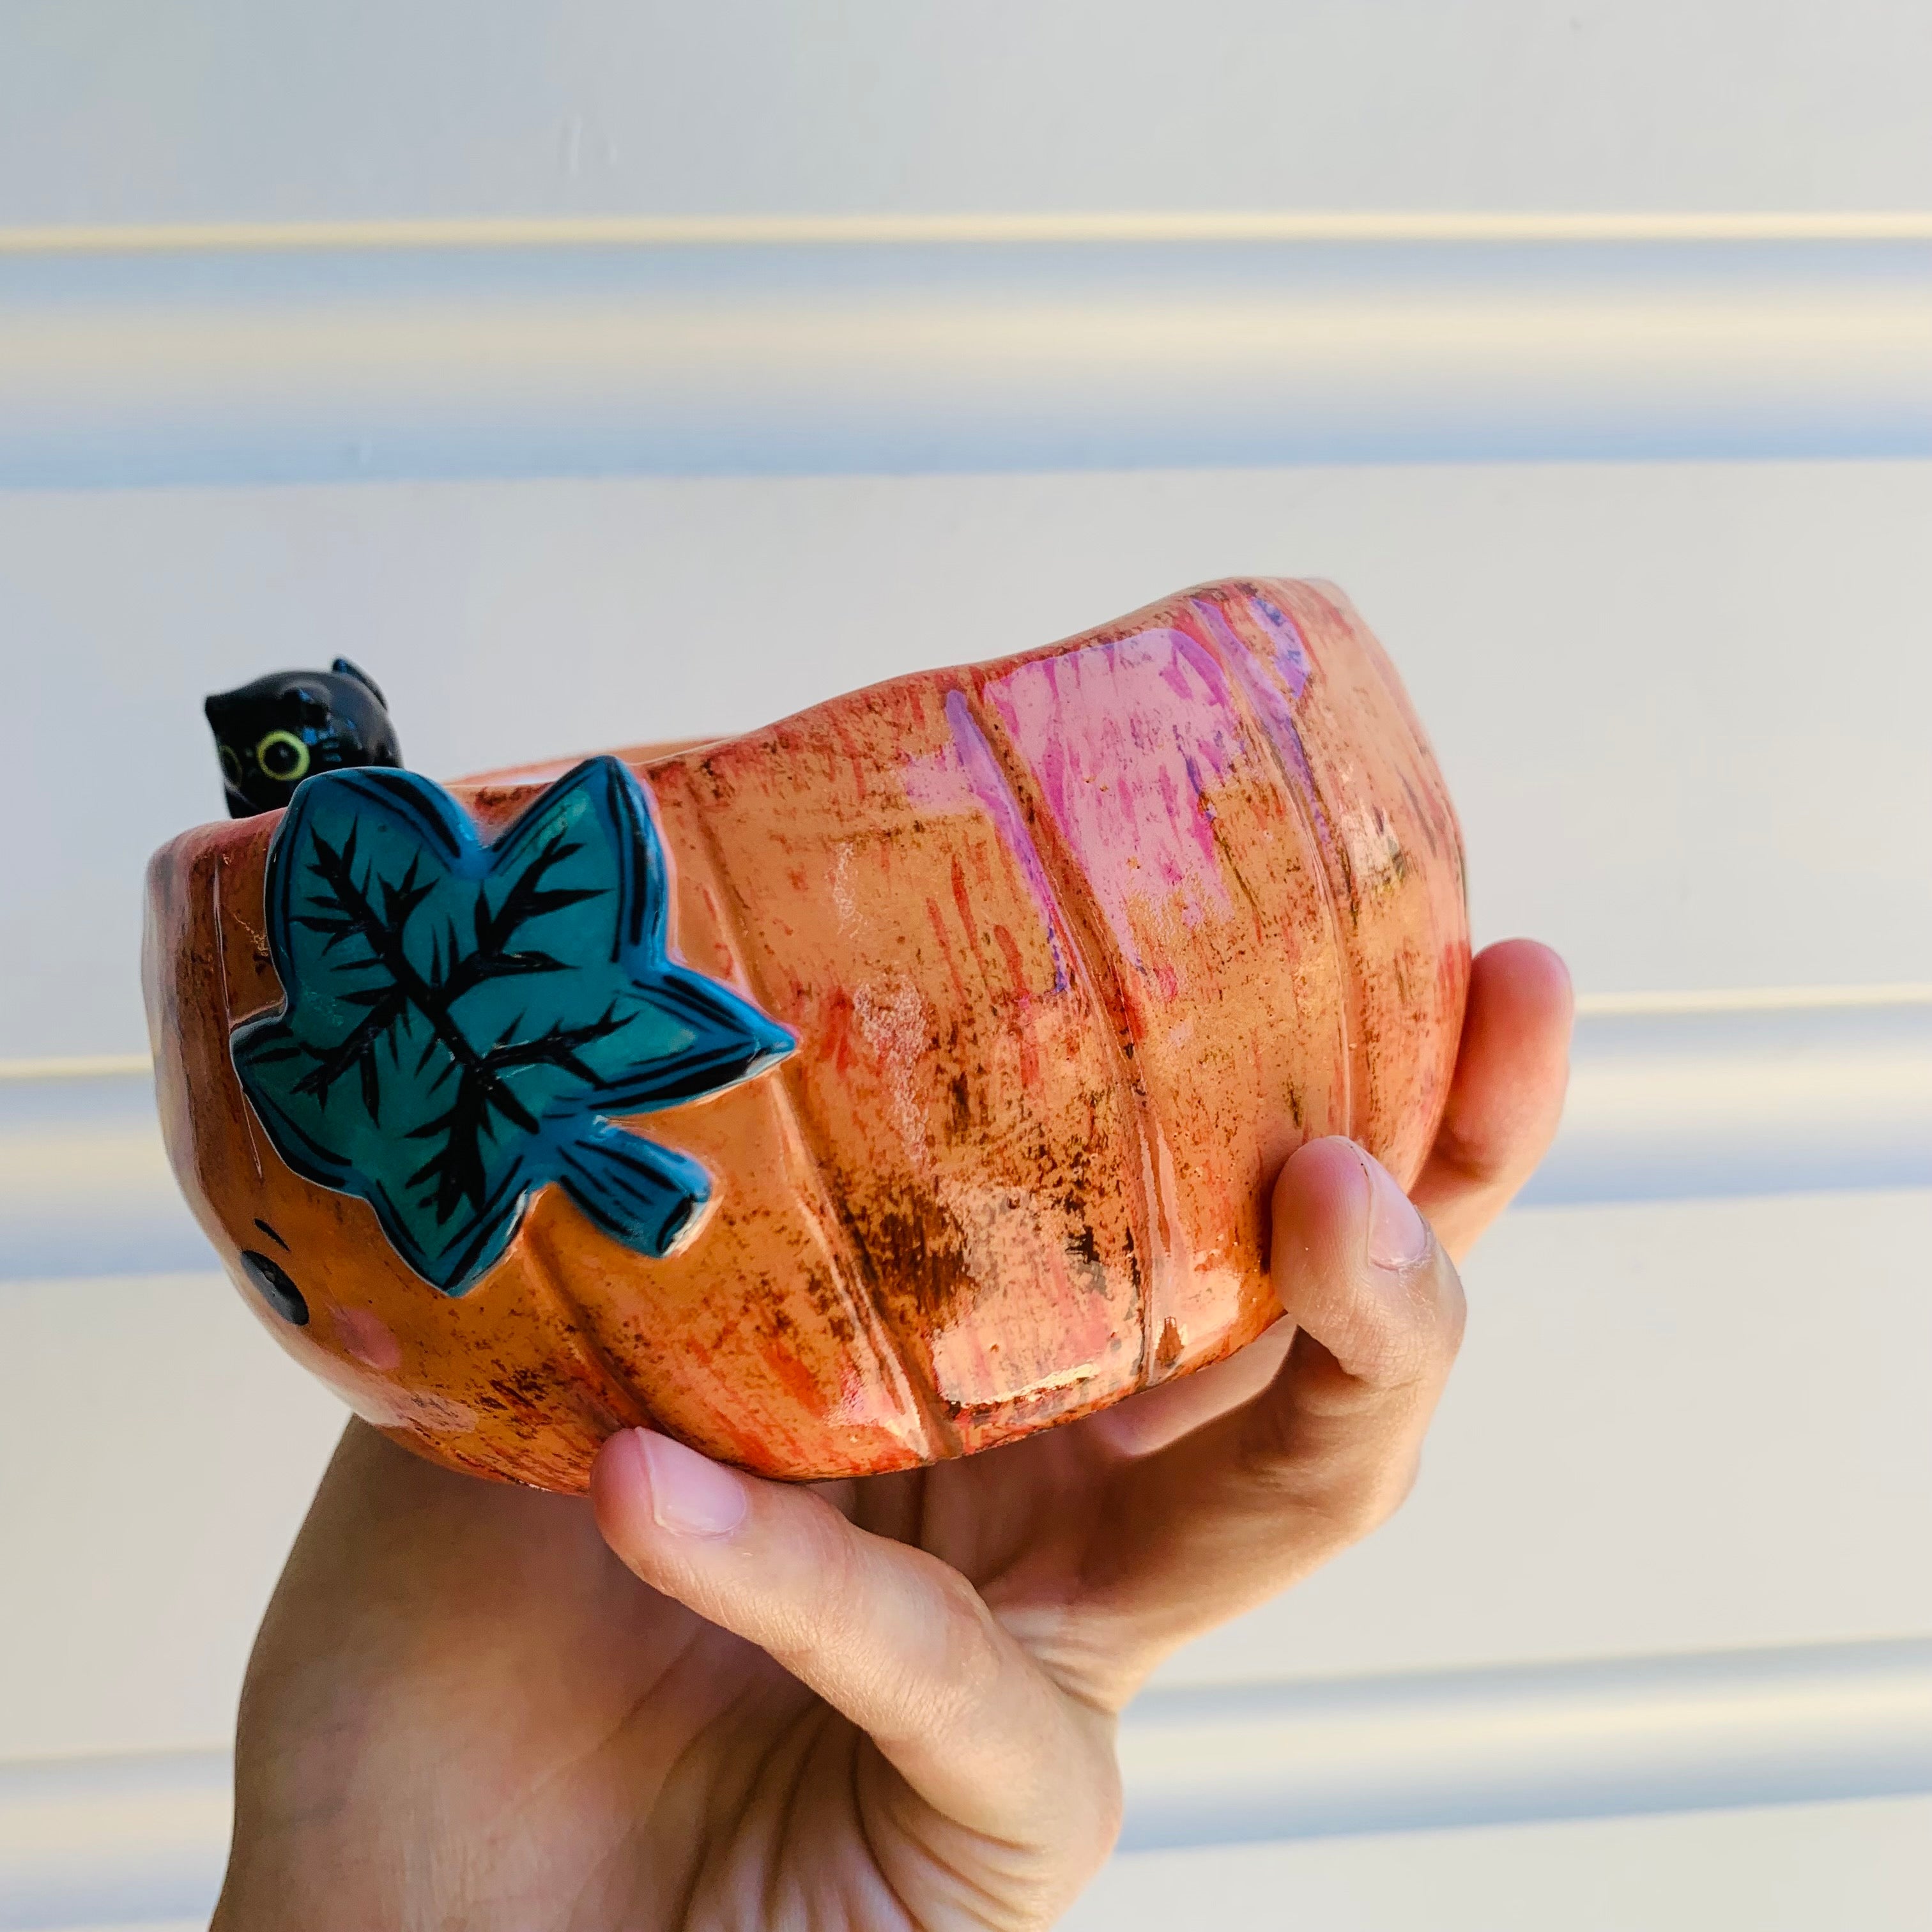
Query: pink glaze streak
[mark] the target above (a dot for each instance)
(966, 773)
(1126, 740)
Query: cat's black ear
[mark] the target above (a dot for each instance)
(343, 668)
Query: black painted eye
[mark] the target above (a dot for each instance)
(283, 756)
(276, 1289)
(231, 766)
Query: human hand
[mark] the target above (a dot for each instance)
(887, 1702)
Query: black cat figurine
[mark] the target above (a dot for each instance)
(274, 733)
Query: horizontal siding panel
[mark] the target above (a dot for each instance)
(1752, 1099)
(1780, 1868)
(205, 363)
(1707, 1102)
(1678, 707)
(83, 1839)
(115, 110)
(1241, 1762)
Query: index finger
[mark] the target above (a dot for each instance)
(1507, 1095)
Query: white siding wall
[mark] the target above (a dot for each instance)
(112, 110)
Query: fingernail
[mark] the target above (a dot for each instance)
(690, 1495)
(1397, 1238)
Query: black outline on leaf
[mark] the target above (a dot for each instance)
(348, 911)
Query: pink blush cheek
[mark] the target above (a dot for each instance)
(367, 1339)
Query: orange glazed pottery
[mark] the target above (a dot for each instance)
(873, 1088)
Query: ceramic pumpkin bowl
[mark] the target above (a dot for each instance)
(865, 1091)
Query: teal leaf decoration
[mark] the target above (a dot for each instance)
(462, 1020)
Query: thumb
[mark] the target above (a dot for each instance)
(892, 1638)
(1252, 1502)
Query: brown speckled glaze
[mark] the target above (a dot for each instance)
(1078, 945)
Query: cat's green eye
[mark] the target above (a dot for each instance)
(231, 766)
(283, 756)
